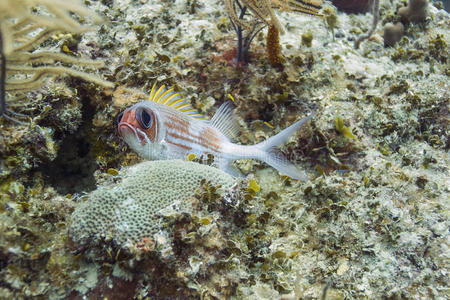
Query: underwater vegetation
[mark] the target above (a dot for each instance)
(262, 14)
(24, 29)
(372, 222)
(415, 12)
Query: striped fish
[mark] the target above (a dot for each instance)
(167, 127)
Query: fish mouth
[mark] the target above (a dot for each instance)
(126, 131)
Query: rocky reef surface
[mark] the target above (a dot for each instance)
(372, 221)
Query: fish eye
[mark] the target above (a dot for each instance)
(119, 118)
(144, 118)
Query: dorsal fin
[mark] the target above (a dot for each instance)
(224, 121)
(170, 98)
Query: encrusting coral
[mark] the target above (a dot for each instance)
(128, 211)
(23, 29)
(167, 222)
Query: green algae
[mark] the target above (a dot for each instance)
(307, 39)
(344, 130)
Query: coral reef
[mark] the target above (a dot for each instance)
(263, 14)
(371, 223)
(172, 225)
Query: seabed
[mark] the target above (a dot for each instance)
(372, 222)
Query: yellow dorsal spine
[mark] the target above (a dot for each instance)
(156, 96)
(189, 110)
(152, 93)
(181, 106)
(161, 97)
(176, 102)
(170, 97)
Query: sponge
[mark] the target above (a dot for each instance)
(415, 12)
(392, 33)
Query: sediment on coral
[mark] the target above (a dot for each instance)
(164, 218)
(127, 213)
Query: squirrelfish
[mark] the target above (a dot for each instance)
(167, 127)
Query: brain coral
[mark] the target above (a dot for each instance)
(127, 212)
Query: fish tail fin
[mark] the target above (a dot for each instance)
(227, 166)
(273, 157)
